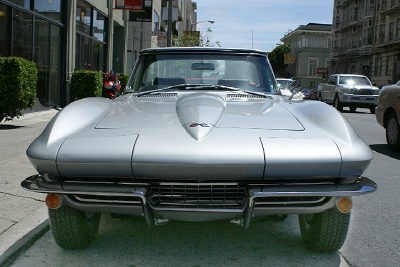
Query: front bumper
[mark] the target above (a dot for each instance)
(200, 201)
(359, 100)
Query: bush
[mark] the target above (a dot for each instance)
(18, 82)
(86, 83)
(123, 79)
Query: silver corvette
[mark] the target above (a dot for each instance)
(200, 134)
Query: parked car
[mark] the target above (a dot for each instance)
(309, 93)
(232, 149)
(349, 90)
(388, 114)
(290, 88)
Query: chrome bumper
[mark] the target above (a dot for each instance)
(253, 205)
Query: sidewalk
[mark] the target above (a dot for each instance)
(23, 214)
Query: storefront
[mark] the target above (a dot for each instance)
(44, 31)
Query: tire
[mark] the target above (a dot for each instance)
(72, 228)
(353, 108)
(325, 231)
(337, 104)
(372, 110)
(392, 132)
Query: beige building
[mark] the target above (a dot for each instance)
(366, 39)
(310, 49)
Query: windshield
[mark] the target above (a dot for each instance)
(242, 71)
(354, 80)
(283, 84)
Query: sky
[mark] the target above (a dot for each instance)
(258, 24)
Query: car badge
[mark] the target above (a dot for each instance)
(195, 124)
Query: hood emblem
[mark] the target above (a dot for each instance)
(195, 124)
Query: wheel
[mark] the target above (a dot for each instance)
(353, 108)
(72, 228)
(372, 110)
(392, 132)
(325, 231)
(337, 104)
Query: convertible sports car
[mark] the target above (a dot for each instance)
(200, 134)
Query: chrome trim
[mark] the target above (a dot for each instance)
(93, 200)
(37, 184)
(291, 202)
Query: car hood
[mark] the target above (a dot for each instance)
(200, 113)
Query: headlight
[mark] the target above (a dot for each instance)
(376, 91)
(347, 90)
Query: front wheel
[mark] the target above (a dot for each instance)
(72, 228)
(372, 110)
(392, 132)
(337, 104)
(325, 231)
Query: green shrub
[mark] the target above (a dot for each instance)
(86, 83)
(18, 81)
(123, 78)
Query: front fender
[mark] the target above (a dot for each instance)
(42, 152)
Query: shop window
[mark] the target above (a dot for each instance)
(50, 9)
(24, 3)
(22, 34)
(83, 17)
(99, 26)
(4, 31)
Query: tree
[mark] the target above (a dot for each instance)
(194, 38)
(276, 58)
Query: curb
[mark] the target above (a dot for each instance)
(26, 241)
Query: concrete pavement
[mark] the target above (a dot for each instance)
(23, 215)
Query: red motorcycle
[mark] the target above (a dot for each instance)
(111, 85)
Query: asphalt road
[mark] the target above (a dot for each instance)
(373, 239)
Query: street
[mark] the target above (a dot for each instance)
(373, 239)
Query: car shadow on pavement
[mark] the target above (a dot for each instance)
(385, 150)
(9, 127)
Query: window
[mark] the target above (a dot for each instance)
(312, 66)
(397, 28)
(391, 30)
(389, 65)
(382, 33)
(99, 26)
(378, 66)
(156, 20)
(83, 17)
(49, 8)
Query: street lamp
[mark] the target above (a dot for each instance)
(210, 21)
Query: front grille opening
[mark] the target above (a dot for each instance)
(290, 201)
(108, 199)
(198, 195)
(98, 180)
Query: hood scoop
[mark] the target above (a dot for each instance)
(199, 114)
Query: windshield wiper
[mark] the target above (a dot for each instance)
(199, 87)
(169, 88)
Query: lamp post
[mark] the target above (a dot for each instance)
(209, 21)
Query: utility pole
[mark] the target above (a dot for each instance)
(169, 31)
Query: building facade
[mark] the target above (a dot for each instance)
(310, 52)
(154, 34)
(366, 39)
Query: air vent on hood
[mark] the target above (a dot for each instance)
(160, 95)
(247, 96)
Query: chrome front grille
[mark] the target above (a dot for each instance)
(363, 92)
(198, 195)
